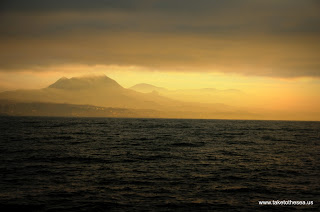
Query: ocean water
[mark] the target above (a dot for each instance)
(104, 164)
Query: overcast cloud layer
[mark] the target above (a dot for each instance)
(264, 38)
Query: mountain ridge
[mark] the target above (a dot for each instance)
(103, 91)
(95, 90)
(85, 83)
(147, 88)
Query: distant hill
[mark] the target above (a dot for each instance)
(82, 83)
(16, 108)
(147, 88)
(201, 95)
(13, 108)
(102, 93)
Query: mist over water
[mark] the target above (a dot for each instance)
(104, 164)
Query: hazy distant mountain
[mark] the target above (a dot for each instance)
(147, 88)
(103, 92)
(94, 90)
(203, 95)
(80, 83)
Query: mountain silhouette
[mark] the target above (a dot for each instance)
(203, 95)
(102, 91)
(147, 88)
(94, 90)
(91, 82)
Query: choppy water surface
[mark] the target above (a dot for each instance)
(101, 164)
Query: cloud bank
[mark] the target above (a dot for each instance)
(261, 38)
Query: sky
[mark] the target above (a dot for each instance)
(269, 49)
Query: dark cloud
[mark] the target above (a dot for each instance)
(274, 38)
(68, 5)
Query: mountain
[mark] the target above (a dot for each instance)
(82, 83)
(94, 90)
(103, 92)
(147, 88)
(203, 95)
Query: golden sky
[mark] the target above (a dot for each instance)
(269, 50)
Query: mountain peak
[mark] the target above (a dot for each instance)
(86, 82)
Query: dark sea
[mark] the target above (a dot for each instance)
(110, 164)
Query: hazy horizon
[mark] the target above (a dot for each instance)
(160, 105)
(102, 91)
(267, 50)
